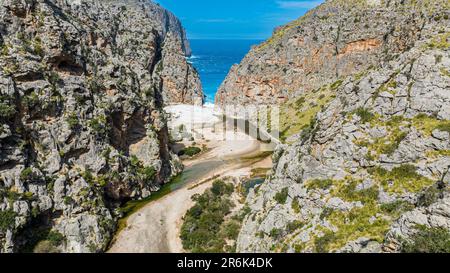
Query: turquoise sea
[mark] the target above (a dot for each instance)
(214, 58)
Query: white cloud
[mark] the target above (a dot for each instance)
(298, 4)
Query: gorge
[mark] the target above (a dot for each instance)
(107, 146)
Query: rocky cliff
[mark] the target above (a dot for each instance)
(332, 41)
(82, 85)
(369, 170)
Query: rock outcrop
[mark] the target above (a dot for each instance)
(372, 166)
(332, 41)
(82, 86)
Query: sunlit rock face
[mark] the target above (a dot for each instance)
(368, 168)
(335, 40)
(82, 86)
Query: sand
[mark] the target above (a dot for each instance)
(156, 227)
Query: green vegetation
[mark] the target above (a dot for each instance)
(401, 179)
(41, 239)
(397, 207)
(132, 206)
(430, 195)
(276, 233)
(390, 143)
(444, 126)
(441, 41)
(346, 190)
(428, 124)
(352, 225)
(299, 116)
(55, 238)
(294, 225)
(323, 184)
(100, 126)
(205, 227)
(296, 205)
(445, 72)
(428, 240)
(336, 84)
(373, 219)
(7, 220)
(26, 174)
(397, 130)
(145, 174)
(190, 151)
(4, 49)
(31, 100)
(322, 243)
(282, 196)
(68, 200)
(364, 114)
(7, 108)
(73, 121)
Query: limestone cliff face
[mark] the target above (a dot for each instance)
(371, 168)
(82, 85)
(335, 40)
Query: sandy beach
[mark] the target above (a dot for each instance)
(156, 227)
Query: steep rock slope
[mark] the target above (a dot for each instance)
(82, 85)
(335, 40)
(371, 169)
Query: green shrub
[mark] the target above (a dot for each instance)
(45, 241)
(319, 184)
(309, 130)
(281, 196)
(300, 102)
(87, 175)
(444, 126)
(31, 100)
(204, 228)
(294, 225)
(148, 173)
(325, 213)
(401, 179)
(322, 244)
(276, 233)
(349, 193)
(428, 240)
(364, 114)
(295, 205)
(190, 151)
(68, 200)
(145, 174)
(389, 149)
(27, 174)
(231, 229)
(220, 188)
(396, 207)
(336, 84)
(7, 109)
(7, 219)
(73, 121)
(55, 237)
(99, 126)
(429, 196)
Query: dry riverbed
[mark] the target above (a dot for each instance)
(155, 228)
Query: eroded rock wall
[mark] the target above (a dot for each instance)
(372, 167)
(82, 86)
(337, 39)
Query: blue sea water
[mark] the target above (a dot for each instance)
(214, 58)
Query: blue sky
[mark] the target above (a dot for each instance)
(236, 19)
